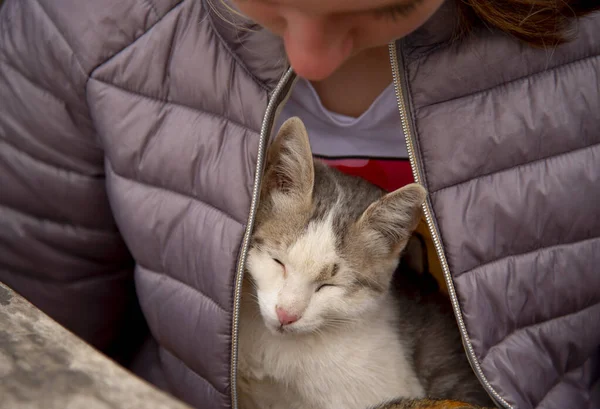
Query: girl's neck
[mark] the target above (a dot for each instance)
(357, 83)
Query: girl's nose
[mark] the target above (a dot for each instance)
(315, 46)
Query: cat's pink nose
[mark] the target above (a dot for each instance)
(285, 318)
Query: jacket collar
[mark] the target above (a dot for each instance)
(439, 29)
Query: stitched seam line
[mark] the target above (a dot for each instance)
(210, 300)
(60, 224)
(117, 53)
(174, 357)
(214, 31)
(233, 55)
(519, 166)
(560, 379)
(151, 7)
(177, 104)
(62, 36)
(514, 81)
(178, 281)
(89, 77)
(73, 53)
(537, 325)
(536, 250)
(49, 166)
(108, 275)
(45, 91)
(173, 192)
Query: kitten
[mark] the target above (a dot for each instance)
(321, 325)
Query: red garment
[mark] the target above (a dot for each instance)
(389, 174)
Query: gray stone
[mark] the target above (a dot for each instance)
(44, 366)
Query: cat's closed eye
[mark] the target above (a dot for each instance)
(281, 265)
(319, 288)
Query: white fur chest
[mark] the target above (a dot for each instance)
(351, 370)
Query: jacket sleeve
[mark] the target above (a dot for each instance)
(59, 246)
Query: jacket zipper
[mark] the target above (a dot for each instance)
(402, 101)
(278, 96)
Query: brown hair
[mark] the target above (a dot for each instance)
(539, 23)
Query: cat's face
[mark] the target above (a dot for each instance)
(325, 244)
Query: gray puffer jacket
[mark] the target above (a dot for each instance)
(132, 134)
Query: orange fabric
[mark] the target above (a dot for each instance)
(435, 267)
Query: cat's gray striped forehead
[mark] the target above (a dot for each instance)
(344, 196)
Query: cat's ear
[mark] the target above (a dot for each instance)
(389, 222)
(289, 167)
